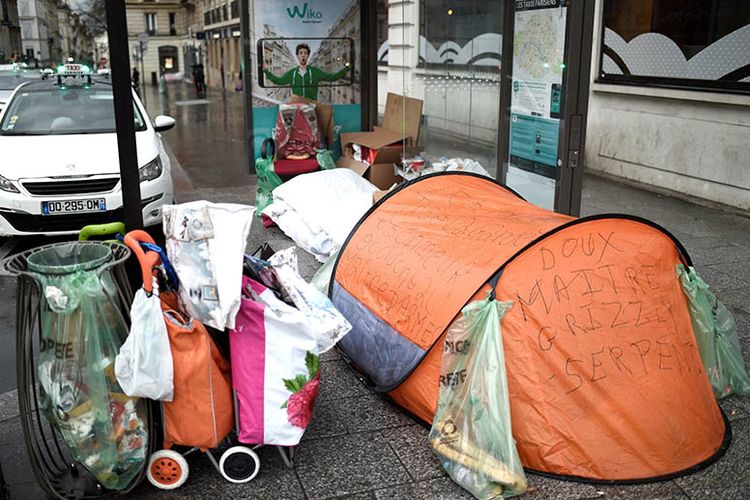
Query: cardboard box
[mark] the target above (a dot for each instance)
(378, 195)
(401, 123)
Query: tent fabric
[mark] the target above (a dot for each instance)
(605, 379)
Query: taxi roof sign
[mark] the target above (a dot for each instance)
(71, 69)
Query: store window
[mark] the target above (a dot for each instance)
(458, 68)
(463, 32)
(150, 23)
(697, 44)
(382, 34)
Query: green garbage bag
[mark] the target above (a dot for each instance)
(268, 180)
(325, 159)
(322, 278)
(716, 336)
(471, 433)
(82, 329)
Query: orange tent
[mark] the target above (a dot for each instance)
(605, 379)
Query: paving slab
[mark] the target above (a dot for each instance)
(370, 413)
(729, 472)
(339, 382)
(433, 489)
(345, 465)
(412, 447)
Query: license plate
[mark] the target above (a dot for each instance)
(73, 206)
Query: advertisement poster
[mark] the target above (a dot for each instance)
(538, 55)
(307, 48)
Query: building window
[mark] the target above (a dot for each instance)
(150, 23)
(207, 17)
(696, 44)
(235, 9)
(225, 16)
(473, 25)
(172, 23)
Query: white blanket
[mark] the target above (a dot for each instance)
(319, 210)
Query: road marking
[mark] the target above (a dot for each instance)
(192, 102)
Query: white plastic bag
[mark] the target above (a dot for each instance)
(144, 365)
(206, 244)
(329, 324)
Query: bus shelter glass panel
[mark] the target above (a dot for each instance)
(306, 50)
(458, 76)
(536, 98)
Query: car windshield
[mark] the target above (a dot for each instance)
(59, 111)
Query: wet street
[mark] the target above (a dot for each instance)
(359, 444)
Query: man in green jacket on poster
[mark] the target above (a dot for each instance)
(304, 79)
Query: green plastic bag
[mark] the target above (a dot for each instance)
(322, 278)
(716, 336)
(82, 329)
(268, 180)
(471, 433)
(325, 159)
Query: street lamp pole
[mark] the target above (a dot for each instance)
(117, 31)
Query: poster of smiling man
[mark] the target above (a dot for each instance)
(307, 49)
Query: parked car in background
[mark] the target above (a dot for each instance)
(60, 167)
(13, 75)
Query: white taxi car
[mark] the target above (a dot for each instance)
(60, 167)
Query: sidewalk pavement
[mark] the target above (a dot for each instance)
(359, 444)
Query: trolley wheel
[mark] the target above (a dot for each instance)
(239, 464)
(167, 470)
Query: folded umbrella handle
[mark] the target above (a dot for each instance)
(147, 260)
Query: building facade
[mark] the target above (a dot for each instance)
(40, 32)
(77, 42)
(10, 31)
(163, 28)
(220, 28)
(669, 104)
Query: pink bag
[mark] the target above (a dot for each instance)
(275, 368)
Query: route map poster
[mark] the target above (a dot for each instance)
(538, 65)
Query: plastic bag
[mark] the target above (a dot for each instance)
(268, 180)
(325, 159)
(82, 328)
(275, 371)
(144, 365)
(471, 433)
(205, 244)
(297, 132)
(325, 320)
(322, 278)
(716, 336)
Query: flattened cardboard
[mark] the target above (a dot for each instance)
(403, 115)
(378, 195)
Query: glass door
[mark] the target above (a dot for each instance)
(546, 63)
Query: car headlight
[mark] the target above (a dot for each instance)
(6, 185)
(150, 171)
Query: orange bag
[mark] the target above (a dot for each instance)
(201, 413)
